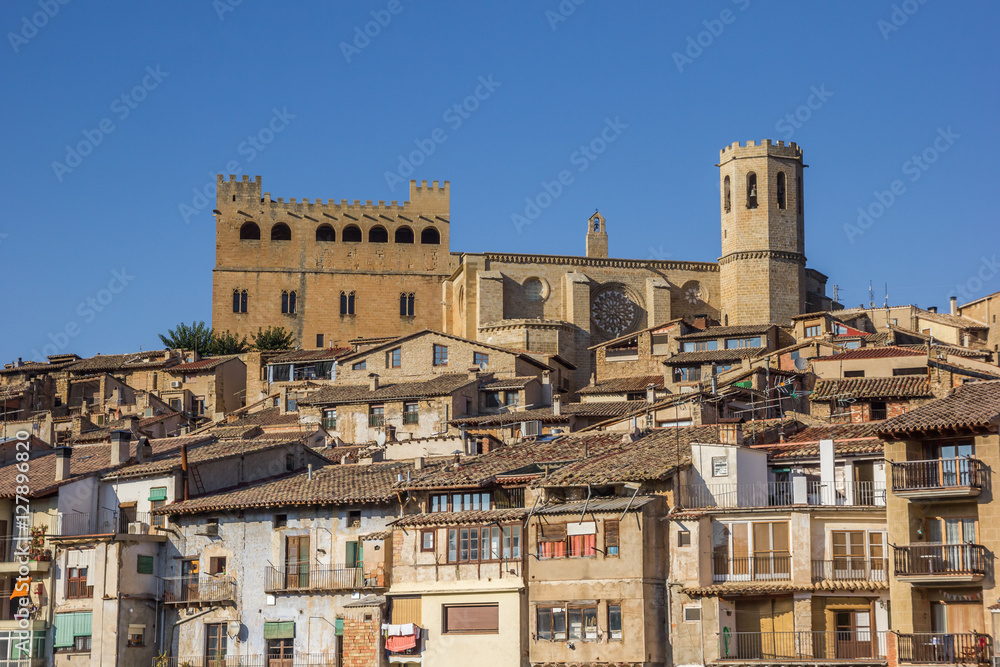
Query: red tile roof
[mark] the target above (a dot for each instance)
(442, 385)
(873, 353)
(906, 386)
(974, 405)
(632, 383)
(202, 365)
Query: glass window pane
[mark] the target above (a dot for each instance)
(615, 621)
(575, 623)
(590, 623)
(495, 543)
(559, 623)
(544, 629)
(463, 546)
(452, 545)
(474, 544)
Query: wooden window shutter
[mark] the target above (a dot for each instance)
(472, 618)
(610, 533)
(550, 532)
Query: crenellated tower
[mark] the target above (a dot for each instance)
(762, 267)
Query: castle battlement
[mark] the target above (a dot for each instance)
(432, 198)
(760, 149)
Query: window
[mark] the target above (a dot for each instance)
(692, 613)
(326, 234)
(76, 583)
(288, 303)
(727, 202)
(239, 301)
(411, 413)
(813, 330)
(854, 374)
(614, 622)
(798, 186)
(427, 540)
(471, 619)
(394, 358)
(404, 235)
(376, 416)
(751, 190)
(249, 232)
(683, 538)
(297, 562)
(439, 502)
(475, 544)
(291, 404)
(347, 303)
(582, 622)
(136, 635)
(217, 565)
(280, 520)
(431, 236)
(145, 564)
(480, 359)
(351, 234)
(738, 343)
(406, 305)
(360, 366)
(687, 373)
(440, 355)
(781, 190)
(289, 462)
(839, 329)
(281, 232)
(896, 372)
(354, 518)
(378, 234)
(72, 631)
(852, 344)
(611, 537)
(319, 340)
(175, 404)
(215, 642)
(330, 419)
(720, 466)
(576, 540)
(551, 624)
(700, 346)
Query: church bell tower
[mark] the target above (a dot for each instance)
(597, 236)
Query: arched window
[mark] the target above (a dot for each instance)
(404, 235)
(751, 190)
(781, 189)
(406, 305)
(236, 301)
(727, 196)
(347, 303)
(377, 234)
(250, 232)
(430, 235)
(288, 303)
(281, 232)
(326, 233)
(798, 186)
(243, 302)
(351, 234)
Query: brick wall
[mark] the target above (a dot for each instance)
(362, 639)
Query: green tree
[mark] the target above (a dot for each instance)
(228, 343)
(198, 337)
(272, 338)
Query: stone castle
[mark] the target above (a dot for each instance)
(339, 270)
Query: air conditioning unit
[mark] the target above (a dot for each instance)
(530, 429)
(175, 384)
(138, 528)
(208, 530)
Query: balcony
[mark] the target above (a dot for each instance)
(411, 417)
(945, 649)
(940, 564)
(851, 568)
(36, 552)
(938, 479)
(335, 579)
(104, 522)
(862, 646)
(767, 567)
(198, 590)
(296, 660)
(777, 494)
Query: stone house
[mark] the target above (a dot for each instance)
(868, 399)
(714, 350)
(207, 389)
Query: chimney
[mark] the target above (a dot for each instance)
(63, 455)
(932, 309)
(651, 393)
(418, 463)
(143, 450)
(954, 305)
(557, 405)
(373, 381)
(309, 468)
(547, 393)
(120, 450)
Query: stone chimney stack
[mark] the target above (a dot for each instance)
(650, 393)
(120, 450)
(954, 305)
(63, 455)
(373, 381)
(557, 405)
(143, 450)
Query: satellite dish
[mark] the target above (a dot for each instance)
(482, 366)
(380, 438)
(233, 628)
(801, 363)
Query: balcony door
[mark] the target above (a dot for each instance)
(854, 634)
(297, 561)
(771, 555)
(956, 462)
(731, 552)
(215, 644)
(189, 579)
(849, 555)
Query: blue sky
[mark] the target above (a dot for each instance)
(107, 240)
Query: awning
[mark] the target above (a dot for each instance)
(279, 630)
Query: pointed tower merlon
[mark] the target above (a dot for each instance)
(236, 189)
(597, 236)
(432, 198)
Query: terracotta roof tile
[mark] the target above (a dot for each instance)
(114, 362)
(859, 438)
(450, 518)
(266, 417)
(720, 332)
(322, 354)
(905, 386)
(708, 356)
(441, 385)
(873, 353)
(510, 383)
(202, 365)
(631, 383)
(972, 405)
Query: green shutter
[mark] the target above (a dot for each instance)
(37, 649)
(69, 626)
(339, 627)
(279, 630)
(352, 555)
(159, 493)
(746, 384)
(144, 565)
